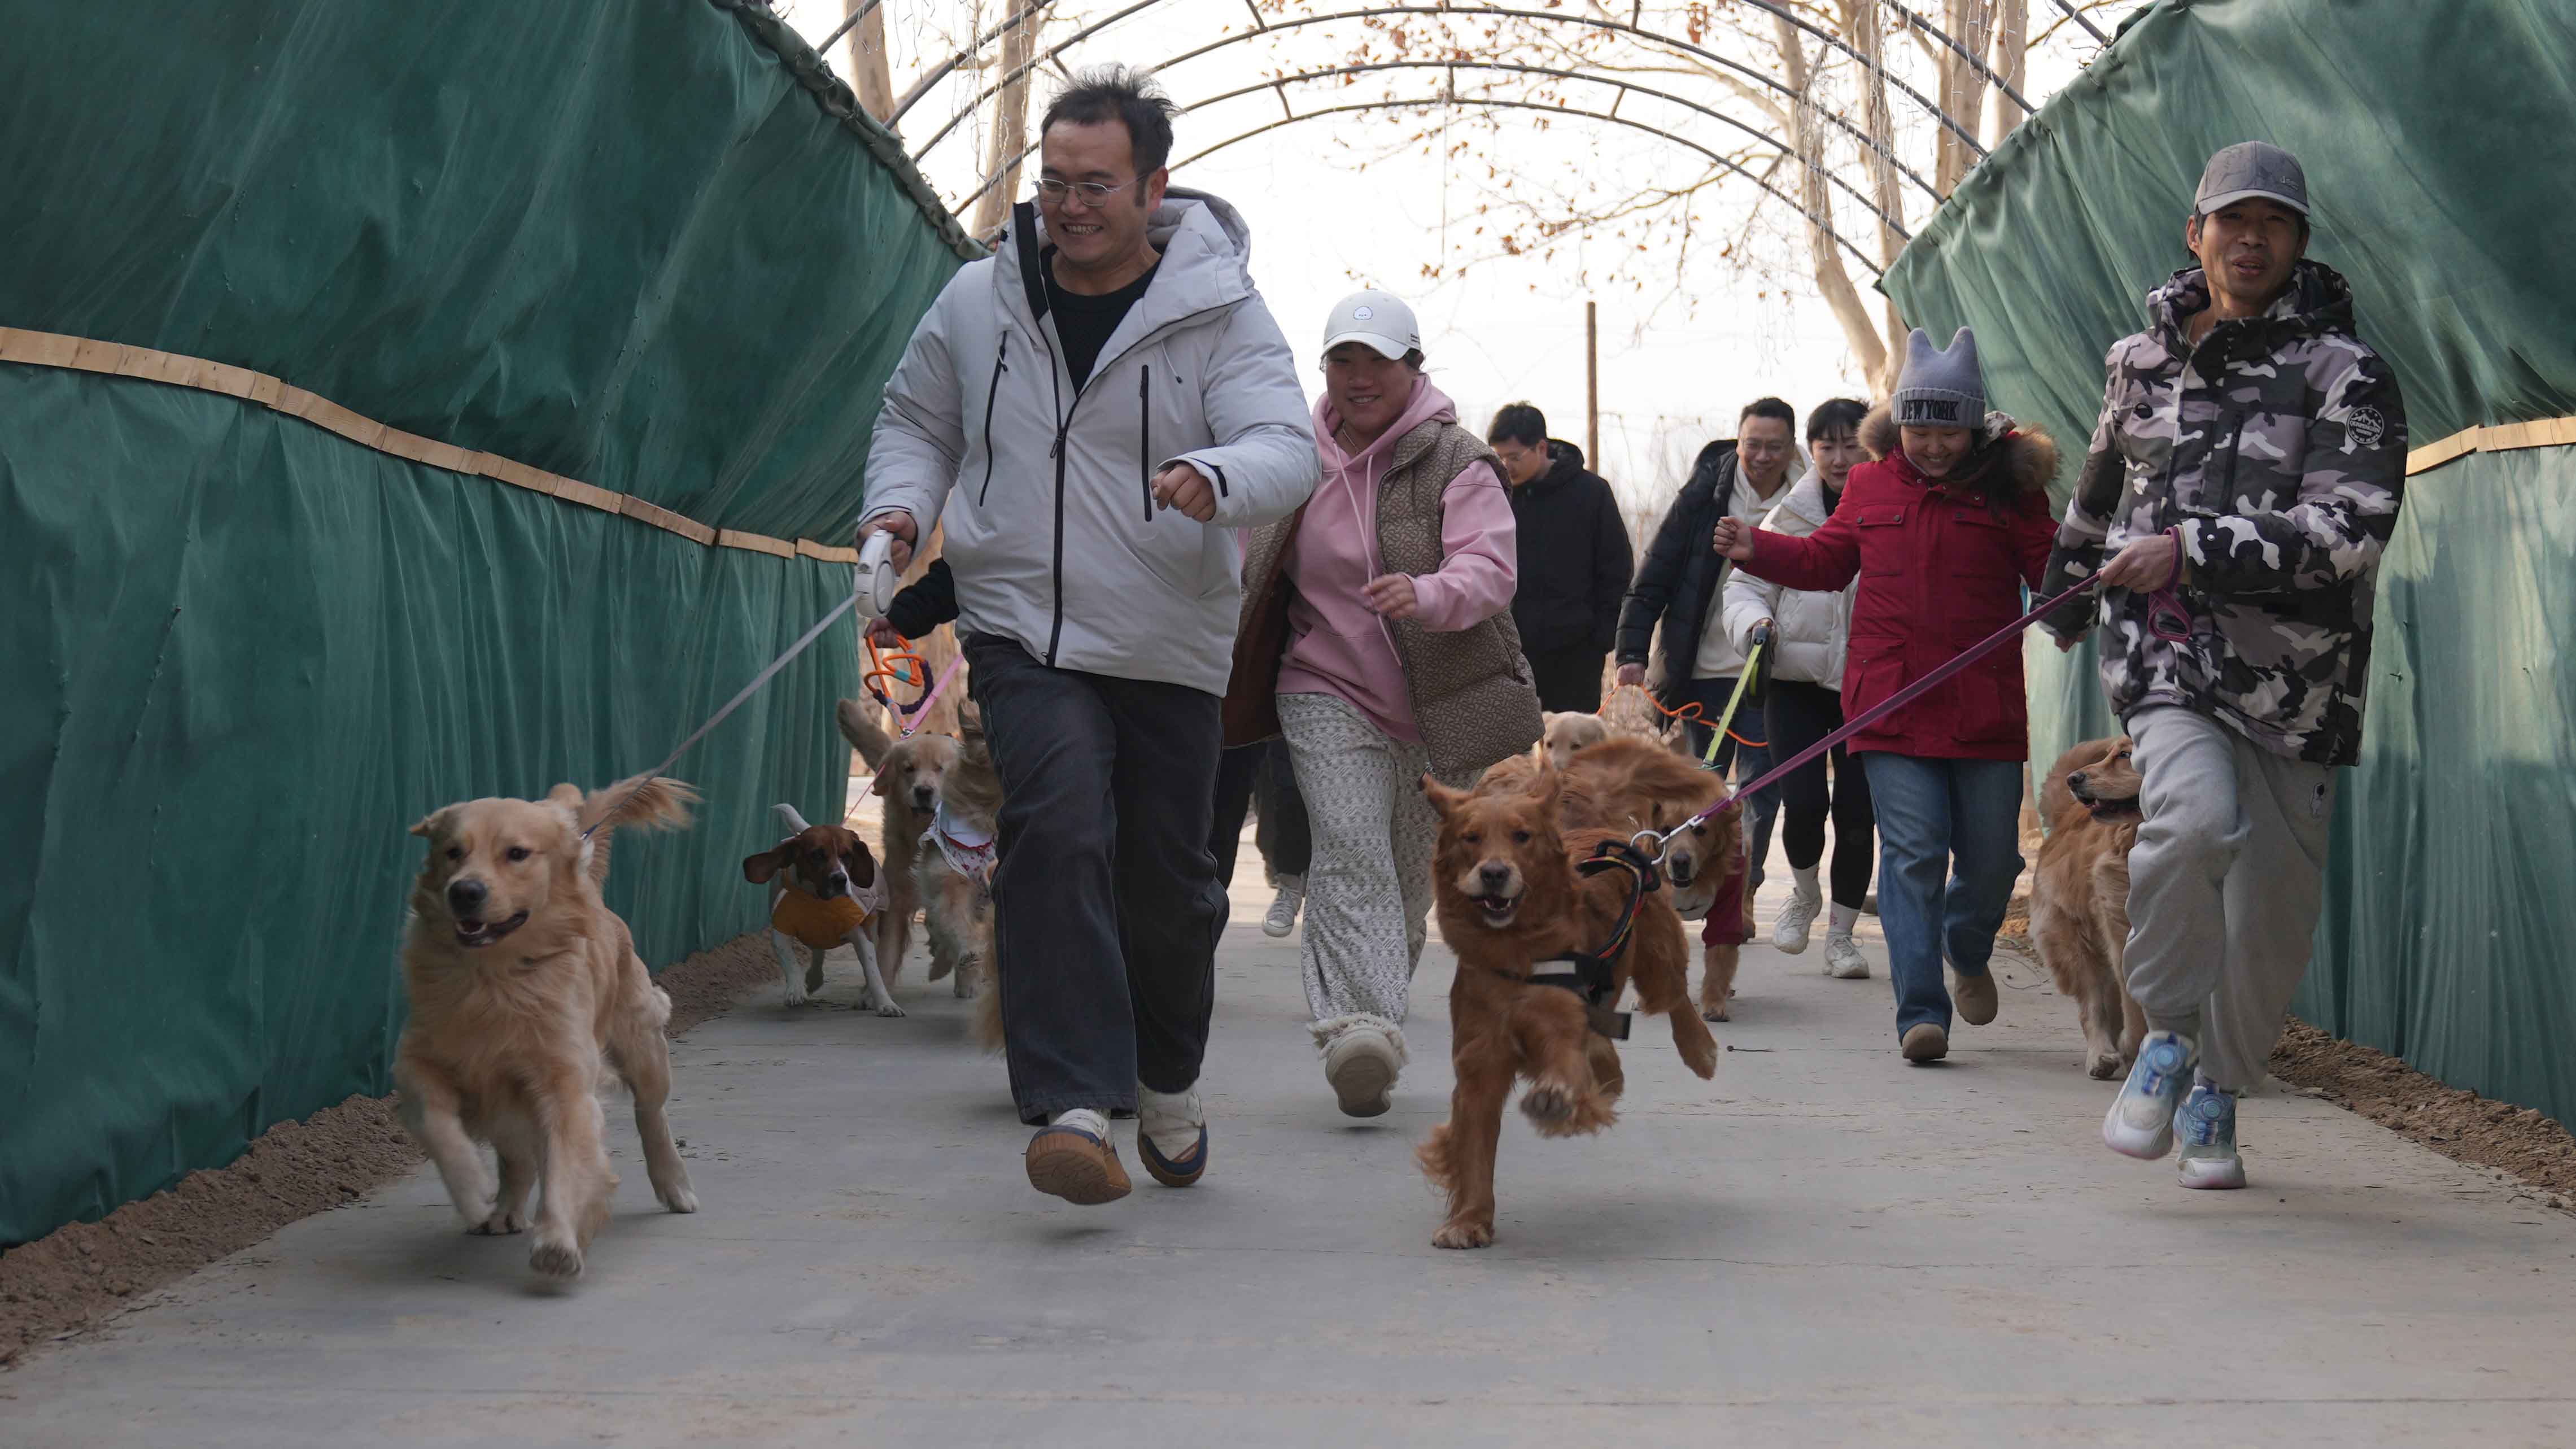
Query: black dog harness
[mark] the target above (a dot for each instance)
(1595, 974)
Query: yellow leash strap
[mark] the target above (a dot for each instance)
(1752, 665)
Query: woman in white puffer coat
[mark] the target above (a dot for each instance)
(1810, 632)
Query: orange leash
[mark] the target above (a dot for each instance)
(901, 668)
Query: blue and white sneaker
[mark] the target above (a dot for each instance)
(2207, 1126)
(2141, 1120)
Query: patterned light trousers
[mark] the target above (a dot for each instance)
(1368, 887)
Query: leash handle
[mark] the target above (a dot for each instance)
(1889, 705)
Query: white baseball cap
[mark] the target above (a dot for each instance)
(1379, 319)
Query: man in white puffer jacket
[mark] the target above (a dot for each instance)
(1089, 415)
(1810, 633)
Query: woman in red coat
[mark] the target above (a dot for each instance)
(1944, 528)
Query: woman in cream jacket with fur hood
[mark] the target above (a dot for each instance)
(1810, 632)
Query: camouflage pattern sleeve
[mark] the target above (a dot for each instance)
(2354, 475)
(2077, 553)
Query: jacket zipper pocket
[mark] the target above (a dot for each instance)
(1145, 437)
(1001, 364)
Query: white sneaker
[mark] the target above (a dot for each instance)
(1798, 918)
(1283, 907)
(1843, 960)
(2141, 1120)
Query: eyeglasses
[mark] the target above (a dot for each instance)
(1093, 193)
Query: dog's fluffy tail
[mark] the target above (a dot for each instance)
(650, 802)
(864, 734)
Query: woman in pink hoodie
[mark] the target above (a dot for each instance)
(1397, 658)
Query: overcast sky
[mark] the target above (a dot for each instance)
(1336, 204)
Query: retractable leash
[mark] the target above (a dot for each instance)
(874, 589)
(1877, 712)
(802, 643)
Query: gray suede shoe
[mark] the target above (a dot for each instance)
(1361, 1065)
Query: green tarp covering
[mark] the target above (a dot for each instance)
(617, 239)
(2428, 132)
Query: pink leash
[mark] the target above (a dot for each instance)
(1882, 709)
(921, 711)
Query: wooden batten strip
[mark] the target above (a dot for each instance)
(2499, 438)
(808, 548)
(85, 354)
(756, 542)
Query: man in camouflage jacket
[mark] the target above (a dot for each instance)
(2242, 481)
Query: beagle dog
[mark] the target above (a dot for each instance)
(824, 891)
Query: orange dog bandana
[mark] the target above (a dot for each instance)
(817, 922)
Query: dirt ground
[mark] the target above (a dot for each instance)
(52, 1287)
(2459, 1124)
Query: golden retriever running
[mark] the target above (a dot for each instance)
(522, 982)
(908, 780)
(1509, 897)
(2079, 896)
(1639, 785)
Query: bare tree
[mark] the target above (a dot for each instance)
(871, 75)
(2012, 64)
(1008, 137)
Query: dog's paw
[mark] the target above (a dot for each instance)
(2102, 1066)
(679, 1197)
(500, 1223)
(555, 1258)
(1548, 1104)
(1463, 1233)
(1713, 1013)
(964, 989)
(884, 1006)
(1701, 1057)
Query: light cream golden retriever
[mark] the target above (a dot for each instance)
(1565, 733)
(523, 985)
(908, 780)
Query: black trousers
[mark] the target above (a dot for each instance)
(1260, 772)
(1569, 679)
(1106, 907)
(1799, 715)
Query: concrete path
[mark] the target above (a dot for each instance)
(1822, 1246)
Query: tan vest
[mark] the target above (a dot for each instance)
(1471, 692)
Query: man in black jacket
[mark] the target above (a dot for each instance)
(1574, 559)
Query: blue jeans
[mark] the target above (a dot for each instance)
(1949, 835)
(1747, 762)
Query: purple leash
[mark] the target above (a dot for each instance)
(1882, 709)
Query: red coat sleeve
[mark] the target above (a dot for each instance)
(2034, 533)
(1821, 562)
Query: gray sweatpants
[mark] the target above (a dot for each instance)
(1368, 886)
(2224, 886)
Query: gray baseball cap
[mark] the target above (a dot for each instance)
(2251, 168)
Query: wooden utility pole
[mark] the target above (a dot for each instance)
(1592, 385)
(1010, 124)
(871, 75)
